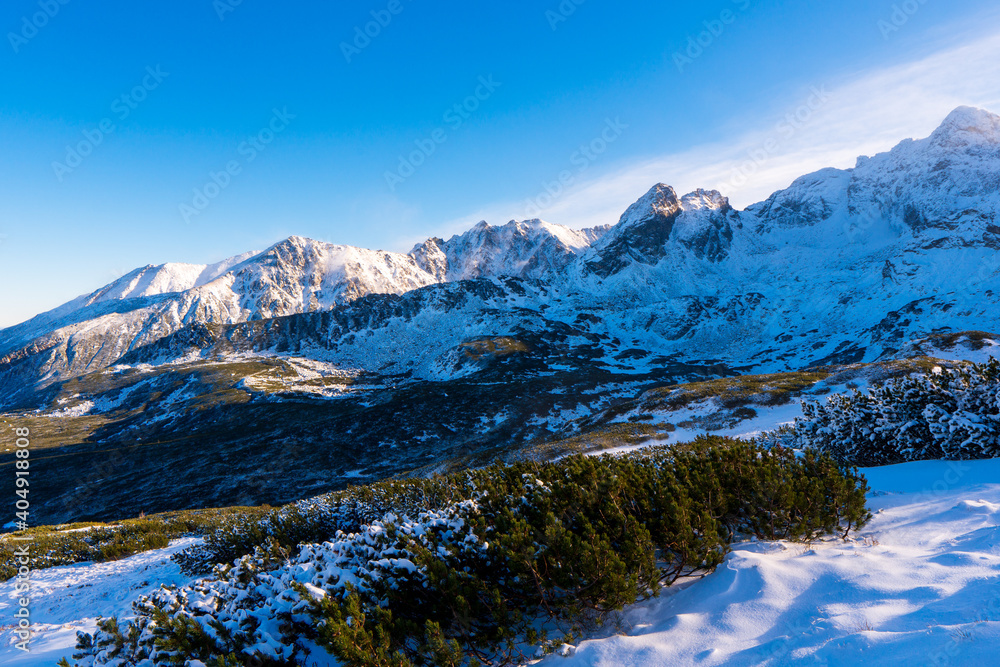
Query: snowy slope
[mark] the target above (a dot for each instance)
(296, 275)
(842, 266)
(919, 585)
(164, 279)
(142, 283)
(65, 600)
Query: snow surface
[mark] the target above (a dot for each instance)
(68, 599)
(525, 249)
(294, 276)
(920, 585)
(903, 244)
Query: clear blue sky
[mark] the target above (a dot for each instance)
(69, 229)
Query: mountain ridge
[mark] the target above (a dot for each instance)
(676, 270)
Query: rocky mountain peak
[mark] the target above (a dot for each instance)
(520, 248)
(431, 257)
(660, 204)
(947, 183)
(967, 126)
(294, 249)
(698, 221)
(704, 227)
(905, 221)
(705, 199)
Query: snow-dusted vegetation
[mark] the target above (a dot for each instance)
(949, 414)
(501, 562)
(916, 586)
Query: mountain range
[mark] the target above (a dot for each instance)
(372, 363)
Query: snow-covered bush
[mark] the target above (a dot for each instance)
(508, 556)
(316, 519)
(952, 414)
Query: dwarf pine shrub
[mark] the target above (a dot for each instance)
(950, 414)
(99, 543)
(315, 519)
(481, 567)
(52, 546)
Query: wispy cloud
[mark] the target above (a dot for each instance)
(863, 115)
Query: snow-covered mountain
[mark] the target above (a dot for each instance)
(526, 249)
(946, 183)
(294, 276)
(843, 265)
(661, 224)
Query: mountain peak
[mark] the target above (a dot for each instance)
(482, 225)
(967, 125)
(704, 199)
(660, 202)
(520, 248)
(294, 240)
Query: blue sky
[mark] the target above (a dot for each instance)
(141, 133)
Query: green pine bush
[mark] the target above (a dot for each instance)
(482, 567)
(948, 414)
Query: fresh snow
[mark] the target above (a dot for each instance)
(524, 249)
(844, 265)
(295, 276)
(767, 419)
(68, 599)
(78, 410)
